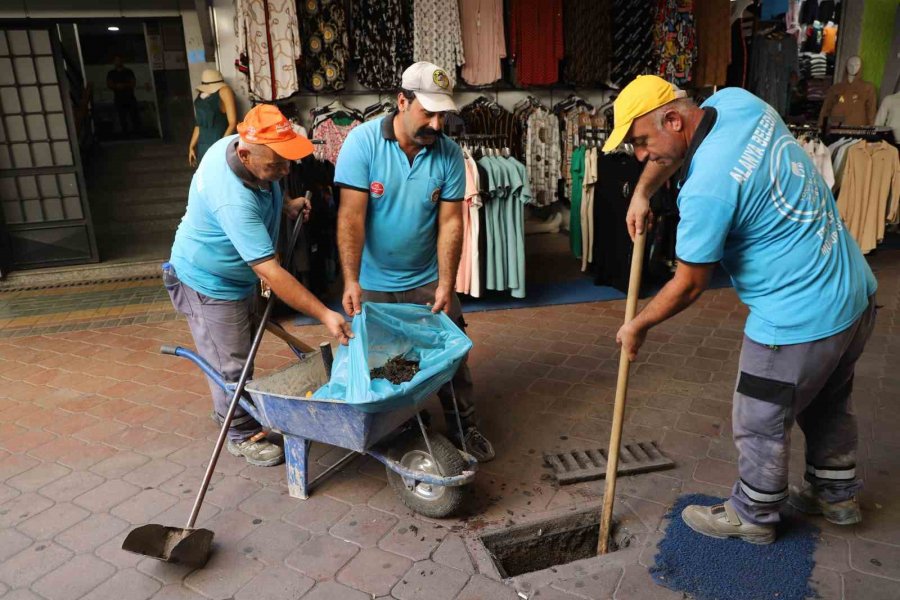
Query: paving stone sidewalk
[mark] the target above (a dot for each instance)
(99, 433)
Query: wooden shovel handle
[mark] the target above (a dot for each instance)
(615, 437)
(294, 341)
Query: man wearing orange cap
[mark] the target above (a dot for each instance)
(751, 199)
(225, 245)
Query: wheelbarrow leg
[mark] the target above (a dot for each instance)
(296, 458)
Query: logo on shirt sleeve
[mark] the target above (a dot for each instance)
(436, 195)
(376, 189)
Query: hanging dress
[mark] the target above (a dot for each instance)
(211, 121)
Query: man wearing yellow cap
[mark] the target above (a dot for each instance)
(751, 199)
(225, 245)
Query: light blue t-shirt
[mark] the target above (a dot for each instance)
(400, 251)
(229, 226)
(753, 200)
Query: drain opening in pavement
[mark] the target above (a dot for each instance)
(545, 543)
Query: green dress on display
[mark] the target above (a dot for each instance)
(211, 121)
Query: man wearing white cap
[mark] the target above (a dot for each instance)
(751, 199)
(400, 219)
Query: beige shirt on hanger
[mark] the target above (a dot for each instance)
(870, 192)
(484, 40)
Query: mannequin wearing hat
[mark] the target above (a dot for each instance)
(851, 102)
(215, 110)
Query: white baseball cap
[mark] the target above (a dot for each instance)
(432, 86)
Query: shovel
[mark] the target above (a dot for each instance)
(187, 545)
(615, 437)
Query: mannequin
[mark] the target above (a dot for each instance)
(215, 110)
(852, 102)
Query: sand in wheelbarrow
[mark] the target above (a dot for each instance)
(396, 370)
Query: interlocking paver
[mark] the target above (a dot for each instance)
(318, 513)
(482, 588)
(270, 503)
(136, 585)
(321, 557)
(413, 539)
(37, 477)
(72, 485)
(276, 583)
(153, 473)
(31, 563)
(363, 526)
(176, 591)
(230, 491)
(272, 541)
(21, 507)
(452, 553)
(52, 521)
(91, 532)
(227, 571)
(12, 542)
(374, 571)
(637, 583)
(427, 580)
(106, 495)
(74, 579)
(164, 573)
(329, 590)
(143, 506)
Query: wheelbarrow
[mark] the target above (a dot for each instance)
(425, 470)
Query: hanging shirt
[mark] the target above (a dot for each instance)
(536, 40)
(542, 155)
(820, 156)
(889, 114)
(577, 170)
(587, 207)
(674, 38)
(400, 251)
(632, 44)
(437, 36)
(323, 28)
(751, 198)
(464, 273)
(870, 191)
(333, 135)
(773, 62)
(383, 41)
(268, 46)
(588, 41)
(484, 40)
(713, 25)
(230, 224)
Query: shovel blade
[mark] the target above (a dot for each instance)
(170, 544)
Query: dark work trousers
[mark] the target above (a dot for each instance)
(223, 334)
(812, 383)
(462, 380)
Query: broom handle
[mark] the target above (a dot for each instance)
(615, 437)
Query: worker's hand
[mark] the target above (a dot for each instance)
(352, 298)
(338, 327)
(631, 338)
(294, 207)
(442, 298)
(639, 216)
(192, 156)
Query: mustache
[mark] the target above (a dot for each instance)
(426, 131)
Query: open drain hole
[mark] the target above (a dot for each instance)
(546, 543)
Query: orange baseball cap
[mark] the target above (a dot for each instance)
(265, 125)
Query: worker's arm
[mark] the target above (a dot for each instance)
(299, 298)
(449, 248)
(351, 235)
(689, 283)
(229, 104)
(653, 177)
(192, 148)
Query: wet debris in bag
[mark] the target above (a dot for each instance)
(396, 370)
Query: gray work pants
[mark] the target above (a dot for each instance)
(223, 334)
(462, 380)
(812, 383)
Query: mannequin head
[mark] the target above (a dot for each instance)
(854, 65)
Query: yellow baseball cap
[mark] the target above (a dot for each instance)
(643, 95)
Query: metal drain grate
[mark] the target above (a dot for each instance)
(585, 465)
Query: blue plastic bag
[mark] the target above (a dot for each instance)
(382, 332)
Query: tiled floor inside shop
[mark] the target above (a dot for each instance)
(99, 433)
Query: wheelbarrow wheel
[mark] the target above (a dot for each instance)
(428, 500)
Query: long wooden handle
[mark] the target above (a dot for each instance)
(615, 437)
(280, 332)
